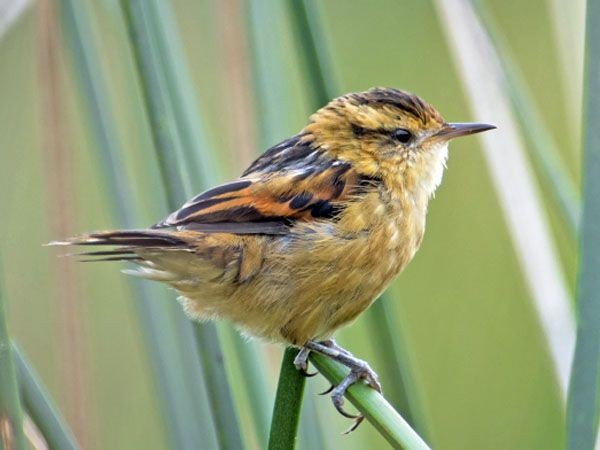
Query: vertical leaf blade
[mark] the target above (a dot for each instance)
(539, 138)
(11, 413)
(167, 332)
(40, 407)
(512, 177)
(201, 167)
(170, 131)
(583, 408)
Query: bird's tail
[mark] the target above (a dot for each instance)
(128, 243)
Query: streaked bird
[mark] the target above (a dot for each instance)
(311, 233)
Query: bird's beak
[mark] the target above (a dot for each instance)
(454, 130)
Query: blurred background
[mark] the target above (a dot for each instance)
(464, 351)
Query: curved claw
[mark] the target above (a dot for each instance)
(327, 391)
(355, 425)
(373, 381)
(338, 394)
(338, 402)
(306, 374)
(359, 370)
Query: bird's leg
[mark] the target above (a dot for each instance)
(332, 344)
(359, 370)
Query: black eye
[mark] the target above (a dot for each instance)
(401, 135)
(357, 130)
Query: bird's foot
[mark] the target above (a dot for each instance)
(301, 362)
(359, 370)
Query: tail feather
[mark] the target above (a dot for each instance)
(182, 258)
(134, 238)
(128, 242)
(114, 258)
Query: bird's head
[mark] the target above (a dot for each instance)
(388, 134)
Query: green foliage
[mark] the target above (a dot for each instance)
(40, 407)
(165, 326)
(456, 342)
(583, 410)
(288, 402)
(11, 414)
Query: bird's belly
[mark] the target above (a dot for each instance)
(311, 283)
(318, 285)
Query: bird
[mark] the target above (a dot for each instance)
(312, 231)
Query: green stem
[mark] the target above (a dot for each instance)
(219, 394)
(312, 50)
(167, 333)
(266, 24)
(375, 408)
(162, 103)
(163, 126)
(541, 144)
(583, 407)
(403, 392)
(40, 406)
(11, 413)
(202, 170)
(199, 161)
(288, 402)
(255, 385)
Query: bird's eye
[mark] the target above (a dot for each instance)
(358, 131)
(401, 135)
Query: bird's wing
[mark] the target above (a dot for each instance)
(289, 182)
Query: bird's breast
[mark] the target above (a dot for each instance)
(387, 232)
(339, 269)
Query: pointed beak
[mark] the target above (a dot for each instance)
(454, 130)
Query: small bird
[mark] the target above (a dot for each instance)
(311, 233)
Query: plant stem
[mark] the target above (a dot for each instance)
(166, 331)
(541, 144)
(40, 406)
(11, 413)
(404, 392)
(162, 102)
(375, 408)
(197, 164)
(477, 62)
(224, 414)
(583, 406)
(288, 402)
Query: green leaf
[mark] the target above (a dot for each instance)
(170, 124)
(540, 142)
(11, 413)
(583, 407)
(40, 406)
(179, 379)
(482, 77)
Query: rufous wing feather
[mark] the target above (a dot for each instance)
(288, 183)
